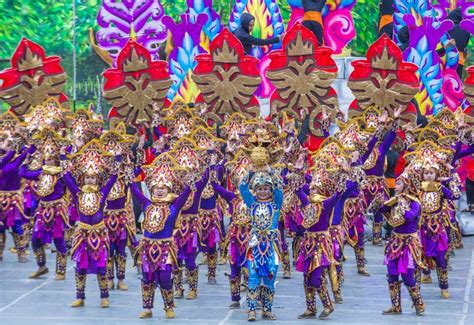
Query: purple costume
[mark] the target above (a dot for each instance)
(403, 253)
(11, 202)
(51, 216)
(90, 247)
(237, 238)
(157, 251)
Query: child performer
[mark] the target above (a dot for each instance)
(51, 217)
(90, 245)
(263, 249)
(403, 252)
(157, 251)
(118, 210)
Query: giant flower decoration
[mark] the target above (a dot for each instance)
(383, 80)
(32, 78)
(138, 86)
(227, 78)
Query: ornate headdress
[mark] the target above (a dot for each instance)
(238, 167)
(92, 160)
(261, 178)
(83, 124)
(163, 171)
(49, 143)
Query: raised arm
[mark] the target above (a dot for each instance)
(138, 195)
(414, 212)
(228, 196)
(245, 192)
(29, 174)
(302, 196)
(8, 156)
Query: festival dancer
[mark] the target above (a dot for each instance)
(263, 249)
(51, 217)
(312, 18)
(91, 241)
(435, 219)
(157, 251)
(118, 211)
(239, 232)
(12, 214)
(209, 224)
(374, 168)
(316, 252)
(403, 253)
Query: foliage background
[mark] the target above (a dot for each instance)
(50, 23)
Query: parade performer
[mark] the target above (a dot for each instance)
(210, 229)
(157, 251)
(435, 219)
(239, 231)
(263, 249)
(118, 214)
(243, 33)
(51, 217)
(316, 251)
(312, 18)
(403, 253)
(374, 168)
(12, 214)
(90, 245)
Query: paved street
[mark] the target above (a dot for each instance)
(45, 301)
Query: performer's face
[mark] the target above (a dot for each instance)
(264, 192)
(251, 24)
(355, 155)
(429, 175)
(159, 192)
(50, 162)
(399, 186)
(90, 180)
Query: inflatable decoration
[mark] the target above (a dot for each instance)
(383, 80)
(119, 21)
(213, 25)
(227, 78)
(32, 78)
(137, 87)
(338, 26)
(184, 39)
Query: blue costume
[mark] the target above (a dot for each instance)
(263, 251)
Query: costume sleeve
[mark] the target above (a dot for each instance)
(71, 184)
(302, 197)
(415, 210)
(278, 197)
(8, 156)
(29, 174)
(245, 193)
(142, 199)
(387, 143)
(370, 148)
(182, 198)
(447, 193)
(228, 196)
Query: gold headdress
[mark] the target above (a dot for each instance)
(162, 172)
(49, 143)
(188, 155)
(238, 167)
(83, 124)
(92, 159)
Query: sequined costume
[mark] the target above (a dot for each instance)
(435, 222)
(237, 238)
(210, 231)
(51, 216)
(263, 252)
(376, 188)
(316, 251)
(91, 245)
(12, 214)
(403, 252)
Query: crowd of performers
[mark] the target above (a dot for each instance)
(66, 180)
